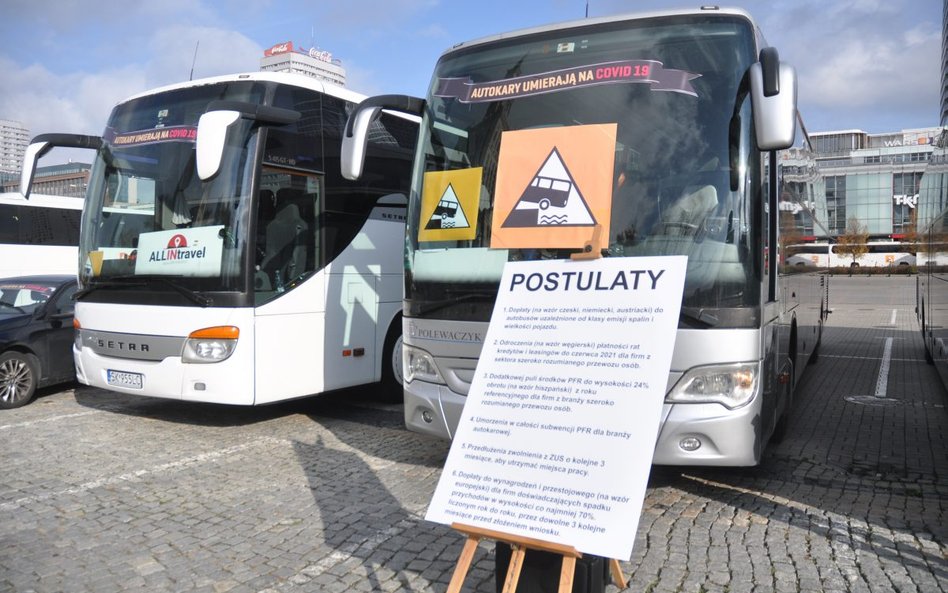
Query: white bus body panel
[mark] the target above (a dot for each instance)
(27, 260)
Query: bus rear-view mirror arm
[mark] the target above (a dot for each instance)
(42, 144)
(215, 124)
(356, 137)
(773, 88)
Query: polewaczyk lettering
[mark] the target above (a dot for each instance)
(622, 280)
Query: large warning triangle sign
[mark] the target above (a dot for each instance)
(554, 187)
(449, 205)
(552, 198)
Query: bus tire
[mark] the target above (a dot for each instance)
(391, 386)
(783, 422)
(929, 359)
(19, 375)
(815, 354)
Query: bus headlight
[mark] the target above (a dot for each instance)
(731, 385)
(76, 334)
(211, 344)
(418, 364)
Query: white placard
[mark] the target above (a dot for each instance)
(181, 252)
(557, 435)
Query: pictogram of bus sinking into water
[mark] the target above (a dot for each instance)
(446, 209)
(546, 192)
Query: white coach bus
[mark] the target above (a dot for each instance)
(39, 235)
(700, 108)
(223, 258)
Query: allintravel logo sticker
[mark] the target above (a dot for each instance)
(187, 252)
(554, 187)
(449, 204)
(178, 249)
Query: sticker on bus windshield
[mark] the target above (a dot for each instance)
(181, 252)
(168, 134)
(449, 201)
(554, 187)
(651, 72)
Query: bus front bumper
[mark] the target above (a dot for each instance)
(709, 434)
(690, 434)
(168, 378)
(432, 409)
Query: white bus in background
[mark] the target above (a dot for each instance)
(686, 92)
(39, 235)
(222, 257)
(879, 254)
(808, 254)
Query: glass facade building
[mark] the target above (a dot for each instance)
(873, 178)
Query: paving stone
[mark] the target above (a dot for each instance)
(125, 494)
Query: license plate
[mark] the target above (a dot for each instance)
(124, 379)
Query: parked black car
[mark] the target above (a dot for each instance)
(36, 335)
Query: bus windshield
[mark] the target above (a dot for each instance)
(682, 181)
(148, 214)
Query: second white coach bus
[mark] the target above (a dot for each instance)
(694, 108)
(245, 270)
(39, 235)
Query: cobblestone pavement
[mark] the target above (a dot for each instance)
(101, 492)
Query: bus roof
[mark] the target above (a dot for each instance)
(299, 80)
(704, 10)
(43, 200)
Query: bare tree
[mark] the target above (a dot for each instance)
(854, 241)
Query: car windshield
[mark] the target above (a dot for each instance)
(17, 298)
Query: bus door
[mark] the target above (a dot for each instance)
(289, 293)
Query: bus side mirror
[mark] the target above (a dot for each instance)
(215, 125)
(773, 87)
(211, 139)
(42, 144)
(356, 137)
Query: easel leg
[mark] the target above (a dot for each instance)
(617, 577)
(517, 554)
(464, 564)
(566, 574)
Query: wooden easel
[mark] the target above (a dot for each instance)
(519, 546)
(592, 249)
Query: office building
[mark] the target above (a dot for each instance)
(14, 138)
(944, 64)
(314, 62)
(70, 179)
(873, 178)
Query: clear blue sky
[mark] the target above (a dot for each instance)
(867, 64)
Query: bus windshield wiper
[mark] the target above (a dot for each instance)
(192, 295)
(113, 283)
(131, 280)
(697, 317)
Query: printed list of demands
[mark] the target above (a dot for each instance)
(531, 342)
(526, 391)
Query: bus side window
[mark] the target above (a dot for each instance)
(288, 238)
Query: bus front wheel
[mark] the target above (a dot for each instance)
(391, 387)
